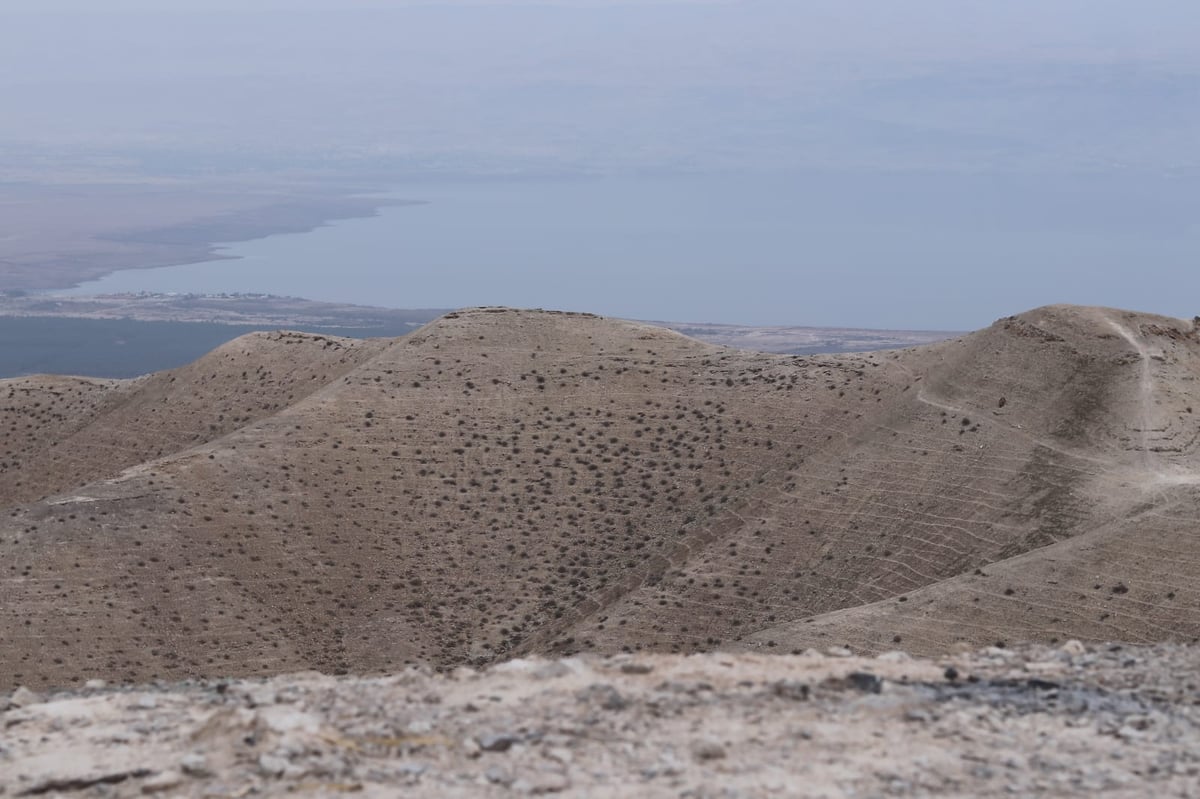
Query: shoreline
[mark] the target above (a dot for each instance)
(70, 236)
(267, 310)
(270, 310)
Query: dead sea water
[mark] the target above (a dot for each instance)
(821, 248)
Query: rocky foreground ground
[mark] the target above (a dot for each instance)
(1069, 721)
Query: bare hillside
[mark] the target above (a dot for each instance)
(505, 482)
(65, 432)
(1118, 516)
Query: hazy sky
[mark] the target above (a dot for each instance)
(956, 84)
(1006, 93)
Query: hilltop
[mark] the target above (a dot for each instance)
(127, 335)
(505, 482)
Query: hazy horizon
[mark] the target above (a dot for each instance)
(825, 250)
(1104, 96)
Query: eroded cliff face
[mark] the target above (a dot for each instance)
(1069, 721)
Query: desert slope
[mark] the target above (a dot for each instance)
(1008, 443)
(65, 432)
(504, 482)
(1127, 569)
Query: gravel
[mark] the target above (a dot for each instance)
(1070, 721)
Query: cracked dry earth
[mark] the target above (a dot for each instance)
(1069, 721)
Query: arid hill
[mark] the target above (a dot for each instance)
(62, 432)
(509, 482)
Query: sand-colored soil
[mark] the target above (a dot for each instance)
(504, 483)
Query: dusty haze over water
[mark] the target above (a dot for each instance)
(890, 251)
(832, 162)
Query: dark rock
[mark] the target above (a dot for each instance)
(496, 742)
(708, 750)
(791, 689)
(865, 682)
(69, 784)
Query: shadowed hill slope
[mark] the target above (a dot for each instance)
(35, 414)
(65, 432)
(1119, 561)
(503, 481)
(1007, 441)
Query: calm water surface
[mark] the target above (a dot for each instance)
(904, 251)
